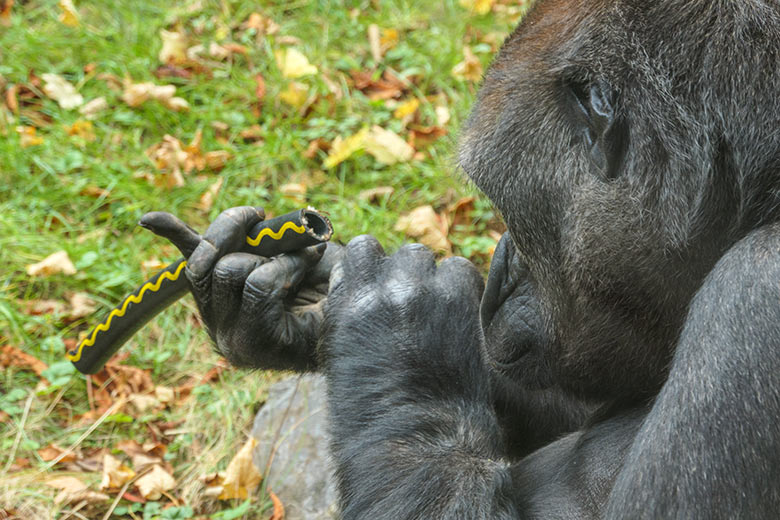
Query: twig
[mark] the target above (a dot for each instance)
(75, 510)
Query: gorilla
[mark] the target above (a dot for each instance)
(623, 358)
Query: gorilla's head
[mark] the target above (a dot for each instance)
(627, 144)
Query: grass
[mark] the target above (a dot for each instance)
(49, 201)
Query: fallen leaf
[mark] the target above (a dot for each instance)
(174, 47)
(91, 109)
(55, 263)
(115, 474)
(216, 160)
(207, 199)
(58, 89)
(82, 129)
(460, 211)
(470, 69)
(426, 226)
(13, 357)
(153, 484)
(388, 40)
(422, 136)
(241, 475)
(73, 490)
(28, 136)
(52, 451)
(388, 86)
(5, 11)
(278, 513)
(136, 94)
(478, 6)
(295, 94)
(387, 147)
(293, 190)
(293, 63)
(315, 146)
(442, 115)
(342, 148)
(165, 394)
(170, 70)
(406, 109)
(253, 134)
(262, 24)
(260, 88)
(69, 15)
(143, 455)
(40, 307)
(374, 194)
(96, 192)
(81, 305)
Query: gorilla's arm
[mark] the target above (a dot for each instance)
(414, 431)
(532, 408)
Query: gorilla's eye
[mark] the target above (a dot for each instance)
(593, 106)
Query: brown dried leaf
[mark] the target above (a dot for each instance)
(387, 87)
(241, 475)
(423, 136)
(156, 482)
(52, 451)
(28, 137)
(5, 11)
(254, 133)
(40, 307)
(81, 305)
(262, 24)
(207, 199)
(55, 263)
(278, 513)
(375, 194)
(260, 88)
(316, 145)
(115, 474)
(426, 226)
(96, 192)
(470, 69)
(74, 490)
(136, 94)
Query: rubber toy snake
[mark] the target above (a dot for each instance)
(283, 234)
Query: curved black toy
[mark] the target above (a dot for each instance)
(283, 234)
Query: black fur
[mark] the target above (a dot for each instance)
(632, 147)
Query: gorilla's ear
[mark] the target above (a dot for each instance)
(594, 106)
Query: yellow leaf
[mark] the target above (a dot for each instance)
(28, 137)
(389, 39)
(478, 6)
(65, 94)
(342, 149)
(174, 47)
(387, 147)
(293, 63)
(406, 108)
(81, 129)
(470, 68)
(115, 474)
(69, 15)
(442, 115)
(55, 263)
(153, 484)
(295, 95)
(241, 475)
(426, 226)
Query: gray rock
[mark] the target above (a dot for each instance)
(292, 448)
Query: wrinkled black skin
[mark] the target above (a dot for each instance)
(623, 361)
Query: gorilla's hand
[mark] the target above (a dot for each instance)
(260, 312)
(403, 302)
(511, 319)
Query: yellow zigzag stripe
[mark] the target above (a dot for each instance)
(155, 286)
(276, 235)
(119, 312)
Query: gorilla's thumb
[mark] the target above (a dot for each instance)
(172, 228)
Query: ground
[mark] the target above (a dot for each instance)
(276, 104)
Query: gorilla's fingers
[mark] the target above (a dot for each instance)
(228, 281)
(414, 259)
(320, 273)
(362, 260)
(172, 228)
(458, 276)
(227, 234)
(273, 280)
